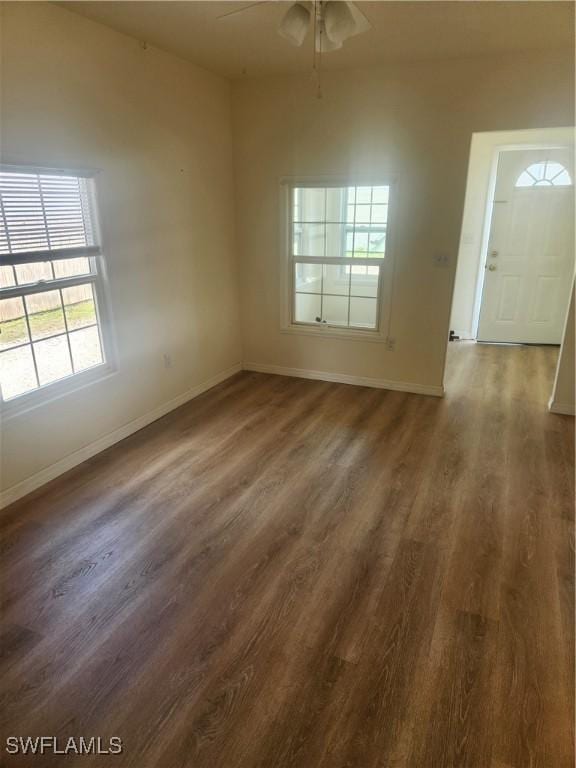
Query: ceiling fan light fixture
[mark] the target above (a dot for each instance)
(294, 26)
(339, 23)
(361, 23)
(324, 43)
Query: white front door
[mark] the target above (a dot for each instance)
(530, 261)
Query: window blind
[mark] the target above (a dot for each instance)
(50, 321)
(44, 216)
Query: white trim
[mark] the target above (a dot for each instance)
(347, 261)
(334, 332)
(343, 378)
(464, 335)
(552, 405)
(72, 460)
(26, 167)
(485, 241)
(46, 393)
(566, 409)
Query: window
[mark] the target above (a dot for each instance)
(50, 325)
(337, 251)
(544, 174)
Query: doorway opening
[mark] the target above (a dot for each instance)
(515, 272)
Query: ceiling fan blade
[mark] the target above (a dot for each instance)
(244, 8)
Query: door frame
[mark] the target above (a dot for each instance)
(481, 206)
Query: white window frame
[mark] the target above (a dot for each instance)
(97, 277)
(386, 275)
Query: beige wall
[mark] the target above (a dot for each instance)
(77, 94)
(413, 122)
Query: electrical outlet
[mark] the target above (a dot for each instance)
(390, 344)
(167, 360)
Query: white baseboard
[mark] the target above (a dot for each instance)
(465, 335)
(341, 378)
(565, 409)
(21, 489)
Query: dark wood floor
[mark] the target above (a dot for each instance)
(298, 573)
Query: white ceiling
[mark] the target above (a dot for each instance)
(247, 43)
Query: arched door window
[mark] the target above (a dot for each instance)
(544, 174)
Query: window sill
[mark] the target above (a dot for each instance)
(49, 392)
(333, 332)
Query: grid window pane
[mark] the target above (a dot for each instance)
(363, 213)
(307, 308)
(363, 195)
(13, 327)
(308, 278)
(361, 244)
(379, 214)
(363, 313)
(335, 198)
(335, 310)
(7, 278)
(364, 283)
(86, 350)
(335, 240)
(330, 289)
(335, 281)
(309, 240)
(376, 244)
(349, 245)
(553, 169)
(17, 374)
(312, 204)
(296, 204)
(52, 359)
(33, 272)
(380, 195)
(562, 180)
(45, 314)
(79, 306)
(71, 267)
(352, 227)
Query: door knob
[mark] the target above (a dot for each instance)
(492, 267)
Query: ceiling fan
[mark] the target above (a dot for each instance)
(332, 22)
